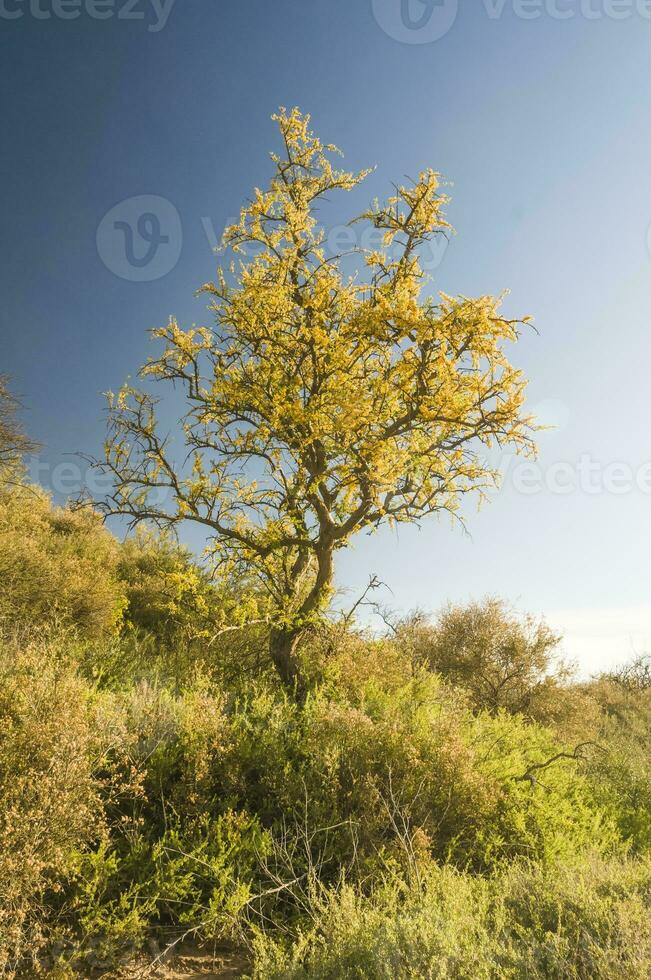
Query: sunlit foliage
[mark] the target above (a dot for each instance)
(58, 567)
(14, 444)
(321, 403)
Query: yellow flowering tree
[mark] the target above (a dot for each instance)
(321, 403)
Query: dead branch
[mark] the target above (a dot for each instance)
(575, 756)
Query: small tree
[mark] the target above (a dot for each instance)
(635, 675)
(320, 404)
(501, 659)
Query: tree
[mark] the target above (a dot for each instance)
(501, 659)
(321, 404)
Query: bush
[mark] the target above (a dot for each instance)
(502, 660)
(414, 758)
(194, 877)
(168, 595)
(422, 812)
(572, 923)
(177, 619)
(621, 772)
(14, 444)
(49, 805)
(173, 856)
(58, 567)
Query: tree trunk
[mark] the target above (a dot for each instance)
(283, 643)
(282, 649)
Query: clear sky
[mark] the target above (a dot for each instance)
(539, 114)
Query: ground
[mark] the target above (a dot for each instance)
(190, 962)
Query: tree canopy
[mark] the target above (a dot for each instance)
(322, 402)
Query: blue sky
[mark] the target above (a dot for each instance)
(539, 115)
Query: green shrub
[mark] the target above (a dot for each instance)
(49, 804)
(173, 855)
(58, 567)
(408, 760)
(388, 824)
(195, 877)
(587, 922)
(621, 772)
